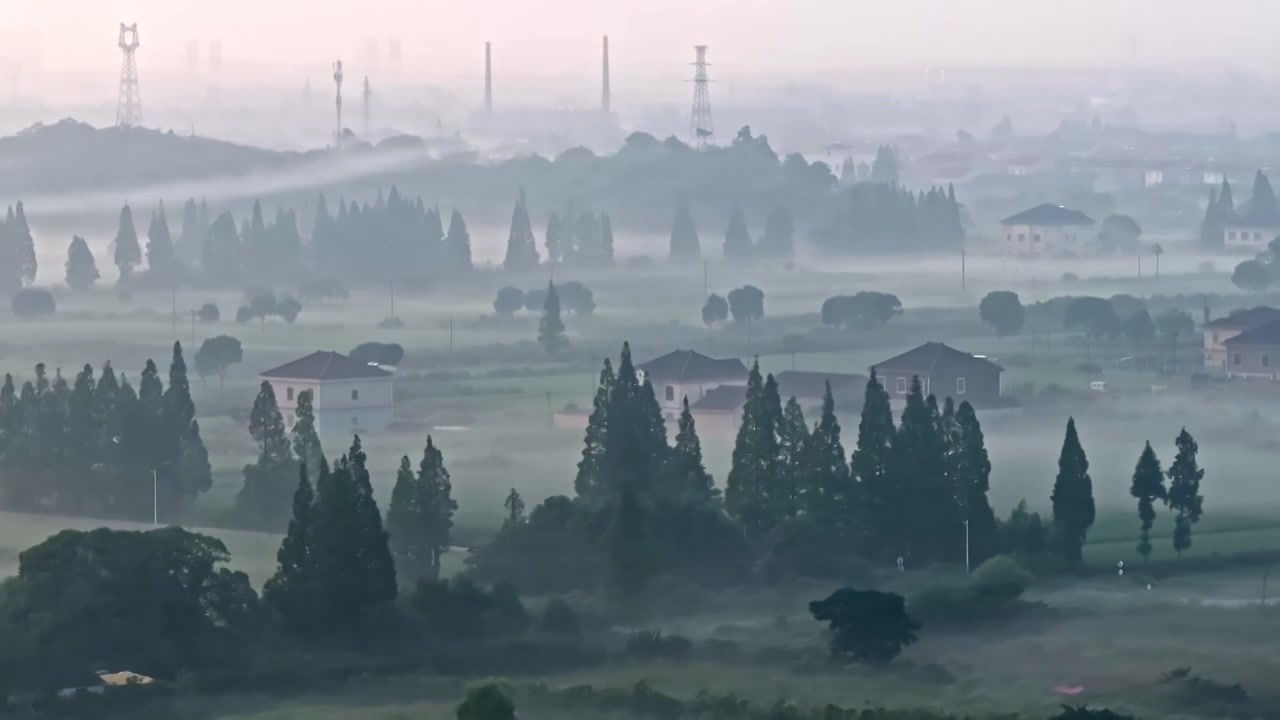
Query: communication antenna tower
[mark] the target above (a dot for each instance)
(488, 81)
(129, 104)
(367, 96)
(337, 81)
(701, 129)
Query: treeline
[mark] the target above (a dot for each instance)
(17, 250)
(1261, 210)
(882, 217)
(95, 446)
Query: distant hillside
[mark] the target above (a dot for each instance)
(69, 156)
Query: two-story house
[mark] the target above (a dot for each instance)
(1218, 332)
(944, 372)
(1049, 231)
(1255, 354)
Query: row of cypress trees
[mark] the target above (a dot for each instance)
(91, 446)
(17, 249)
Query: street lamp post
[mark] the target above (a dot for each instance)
(966, 547)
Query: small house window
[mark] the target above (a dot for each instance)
(1231, 234)
(355, 421)
(960, 386)
(288, 394)
(1035, 238)
(1257, 235)
(902, 386)
(1235, 359)
(1266, 359)
(1008, 236)
(355, 394)
(1022, 237)
(671, 393)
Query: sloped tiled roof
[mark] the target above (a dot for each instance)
(724, 398)
(1048, 215)
(325, 365)
(934, 357)
(690, 366)
(1246, 319)
(1268, 334)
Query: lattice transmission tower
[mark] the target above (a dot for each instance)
(129, 103)
(701, 128)
(367, 97)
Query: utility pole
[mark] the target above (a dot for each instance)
(963, 273)
(173, 309)
(155, 498)
(193, 328)
(337, 81)
(488, 81)
(450, 336)
(392, 285)
(705, 292)
(368, 100)
(606, 96)
(966, 547)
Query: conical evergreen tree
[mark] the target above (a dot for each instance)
(306, 440)
(1226, 201)
(160, 254)
(551, 328)
(82, 270)
(918, 471)
(289, 591)
(1073, 506)
(606, 239)
(263, 501)
(1261, 202)
(633, 454)
(1185, 475)
(684, 235)
(628, 543)
(20, 236)
(880, 501)
(779, 234)
(193, 475)
(793, 457)
(589, 483)
(754, 467)
(686, 480)
(522, 249)
(458, 243)
(737, 240)
(127, 252)
(420, 517)
(191, 239)
(555, 241)
(1147, 487)
(378, 567)
(334, 550)
(829, 490)
(972, 472)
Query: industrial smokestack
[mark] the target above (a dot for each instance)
(488, 81)
(606, 101)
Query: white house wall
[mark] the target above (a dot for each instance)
(369, 393)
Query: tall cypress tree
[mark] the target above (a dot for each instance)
(194, 475)
(829, 490)
(1147, 487)
(684, 235)
(191, 238)
(879, 500)
(1073, 506)
(632, 456)
(127, 254)
(588, 482)
(551, 328)
(779, 234)
(972, 468)
(263, 501)
(522, 248)
(629, 561)
(685, 479)
(458, 243)
(334, 549)
(606, 239)
(737, 240)
(289, 591)
(917, 469)
(555, 240)
(793, 456)
(755, 460)
(82, 270)
(420, 516)
(306, 440)
(1185, 475)
(377, 566)
(80, 447)
(20, 236)
(160, 254)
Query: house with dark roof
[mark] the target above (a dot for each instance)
(945, 372)
(688, 373)
(1254, 354)
(1218, 331)
(1251, 231)
(347, 395)
(719, 412)
(1049, 231)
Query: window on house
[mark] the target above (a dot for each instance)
(1235, 359)
(902, 386)
(1008, 236)
(1035, 238)
(960, 386)
(355, 394)
(1257, 235)
(354, 421)
(1231, 234)
(1266, 360)
(671, 393)
(288, 394)
(1022, 237)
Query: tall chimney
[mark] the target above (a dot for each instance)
(488, 81)
(606, 102)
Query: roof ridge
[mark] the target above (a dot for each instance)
(688, 354)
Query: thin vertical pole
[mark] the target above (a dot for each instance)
(451, 336)
(966, 547)
(155, 498)
(705, 287)
(392, 285)
(1265, 572)
(963, 273)
(173, 311)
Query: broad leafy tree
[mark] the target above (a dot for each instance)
(746, 303)
(1003, 311)
(216, 355)
(866, 625)
(715, 310)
